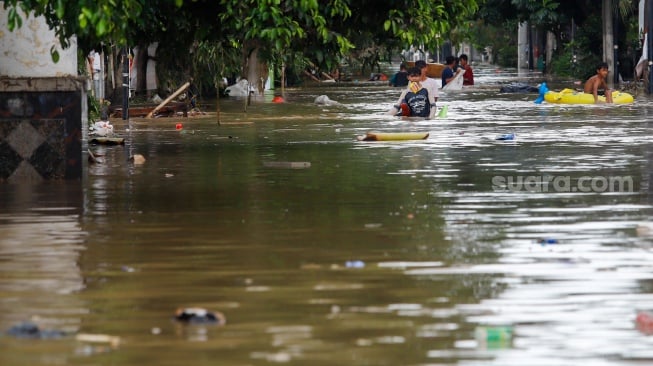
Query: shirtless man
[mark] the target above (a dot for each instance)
(596, 82)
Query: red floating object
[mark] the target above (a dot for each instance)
(644, 322)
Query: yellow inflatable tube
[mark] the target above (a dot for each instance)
(570, 96)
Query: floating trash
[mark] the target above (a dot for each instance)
(506, 137)
(325, 100)
(644, 229)
(545, 241)
(137, 159)
(32, 331)
(113, 341)
(287, 164)
(494, 336)
(101, 128)
(644, 322)
(355, 264)
(443, 112)
(200, 316)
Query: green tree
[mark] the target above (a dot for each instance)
(275, 30)
(580, 18)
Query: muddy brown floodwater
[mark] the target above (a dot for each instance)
(323, 250)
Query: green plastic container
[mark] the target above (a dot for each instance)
(494, 336)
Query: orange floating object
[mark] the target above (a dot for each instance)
(278, 99)
(179, 126)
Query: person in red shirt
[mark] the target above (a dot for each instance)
(468, 78)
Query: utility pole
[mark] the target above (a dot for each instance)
(649, 40)
(608, 39)
(531, 59)
(125, 84)
(615, 55)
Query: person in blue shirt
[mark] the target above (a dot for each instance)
(448, 73)
(401, 77)
(416, 101)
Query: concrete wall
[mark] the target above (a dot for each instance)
(42, 105)
(40, 128)
(26, 50)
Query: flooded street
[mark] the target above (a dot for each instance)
(319, 249)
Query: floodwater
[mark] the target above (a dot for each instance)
(323, 250)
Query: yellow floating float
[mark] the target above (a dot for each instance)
(571, 96)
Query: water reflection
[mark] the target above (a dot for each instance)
(321, 249)
(40, 244)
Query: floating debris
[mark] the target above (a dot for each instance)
(507, 137)
(137, 159)
(107, 141)
(113, 341)
(644, 229)
(355, 264)
(32, 331)
(325, 100)
(644, 322)
(287, 164)
(101, 128)
(443, 112)
(92, 158)
(494, 336)
(200, 316)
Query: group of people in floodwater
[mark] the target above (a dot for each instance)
(420, 97)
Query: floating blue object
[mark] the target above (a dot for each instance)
(543, 90)
(548, 241)
(507, 136)
(31, 330)
(355, 264)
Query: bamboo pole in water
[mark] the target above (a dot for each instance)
(168, 99)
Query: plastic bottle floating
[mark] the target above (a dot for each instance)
(506, 137)
(443, 112)
(200, 316)
(494, 336)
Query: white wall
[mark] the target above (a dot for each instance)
(522, 46)
(25, 52)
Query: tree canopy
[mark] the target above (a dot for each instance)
(323, 31)
(215, 36)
